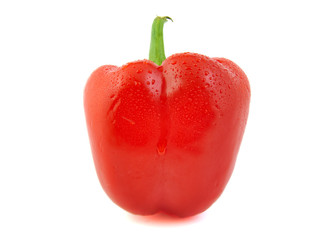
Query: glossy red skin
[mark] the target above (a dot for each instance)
(165, 138)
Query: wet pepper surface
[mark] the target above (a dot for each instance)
(166, 137)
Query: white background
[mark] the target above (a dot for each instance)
(48, 185)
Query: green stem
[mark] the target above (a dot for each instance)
(157, 53)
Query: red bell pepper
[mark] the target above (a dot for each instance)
(165, 133)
